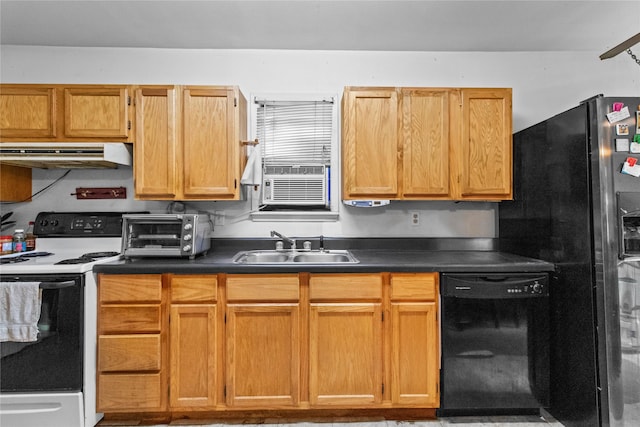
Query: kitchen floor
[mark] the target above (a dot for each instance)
(489, 421)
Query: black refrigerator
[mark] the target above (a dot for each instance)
(568, 186)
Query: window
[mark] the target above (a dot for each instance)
(298, 145)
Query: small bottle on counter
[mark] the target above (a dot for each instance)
(19, 242)
(30, 238)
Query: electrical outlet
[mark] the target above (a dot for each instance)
(415, 218)
(218, 218)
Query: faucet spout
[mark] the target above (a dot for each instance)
(292, 242)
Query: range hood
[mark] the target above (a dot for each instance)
(66, 155)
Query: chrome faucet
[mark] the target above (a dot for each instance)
(292, 242)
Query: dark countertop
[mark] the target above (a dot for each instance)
(375, 255)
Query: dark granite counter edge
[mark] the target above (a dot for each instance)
(375, 255)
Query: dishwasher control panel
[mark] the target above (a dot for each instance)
(482, 286)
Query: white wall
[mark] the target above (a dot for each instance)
(543, 84)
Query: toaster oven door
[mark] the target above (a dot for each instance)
(152, 236)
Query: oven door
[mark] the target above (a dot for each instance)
(54, 362)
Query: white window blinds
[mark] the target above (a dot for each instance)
(294, 132)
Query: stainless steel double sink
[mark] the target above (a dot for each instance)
(295, 257)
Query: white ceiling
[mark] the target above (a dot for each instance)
(419, 25)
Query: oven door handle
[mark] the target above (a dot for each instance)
(57, 285)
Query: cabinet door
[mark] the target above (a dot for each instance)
(210, 148)
(485, 149)
(370, 143)
(15, 184)
(263, 355)
(345, 351)
(27, 112)
(425, 134)
(193, 356)
(155, 146)
(100, 112)
(415, 358)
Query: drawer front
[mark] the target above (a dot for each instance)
(128, 353)
(345, 286)
(414, 286)
(130, 288)
(194, 288)
(129, 318)
(274, 287)
(129, 392)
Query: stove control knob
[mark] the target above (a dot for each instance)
(537, 288)
(187, 237)
(44, 223)
(188, 226)
(186, 248)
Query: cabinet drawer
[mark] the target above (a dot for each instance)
(274, 287)
(129, 318)
(132, 392)
(130, 288)
(345, 286)
(129, 353)
(414, 286)
(194, 288)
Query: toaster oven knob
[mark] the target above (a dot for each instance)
(188, 226)
(187, 237)
(186, 248)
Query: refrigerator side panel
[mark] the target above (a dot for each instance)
(550, 219)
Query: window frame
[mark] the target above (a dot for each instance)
(291, 213)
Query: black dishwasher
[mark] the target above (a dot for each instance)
(495, 343)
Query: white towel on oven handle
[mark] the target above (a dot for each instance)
(20, 304)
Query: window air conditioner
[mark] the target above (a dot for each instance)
(295, 185)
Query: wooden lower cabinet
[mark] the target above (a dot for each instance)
(184, 345)
(345, 340)
(131, 359)
(263, 341)
(415, 354)
(193, 342)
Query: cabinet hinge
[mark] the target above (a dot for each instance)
(235, 183)
(235, 102)
(382, 388)
(128, 100)
(382, 315)
(129, 124)
(224, 391)
(225, 318)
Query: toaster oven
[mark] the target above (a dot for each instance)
(165, 235)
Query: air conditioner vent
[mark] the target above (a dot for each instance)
(295, 185)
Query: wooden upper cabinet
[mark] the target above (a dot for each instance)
(484, 152)
(425, 137)
(100, 112)
(211, 142)
(27, 111)
(427, 143)
(155, 150)
(65, 113)
(370, 143)
(188, 142)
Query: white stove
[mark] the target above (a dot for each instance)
(68, 245)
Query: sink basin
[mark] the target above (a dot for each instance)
(295, 257)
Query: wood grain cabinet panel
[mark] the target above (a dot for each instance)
(415, 352)
(27, 111)
(97, 112)
(370, 143)
(193, 356)
(485, 165)
(65, 113)
(188, 142)
(132, 371)
(427, 143)
(345, 352)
